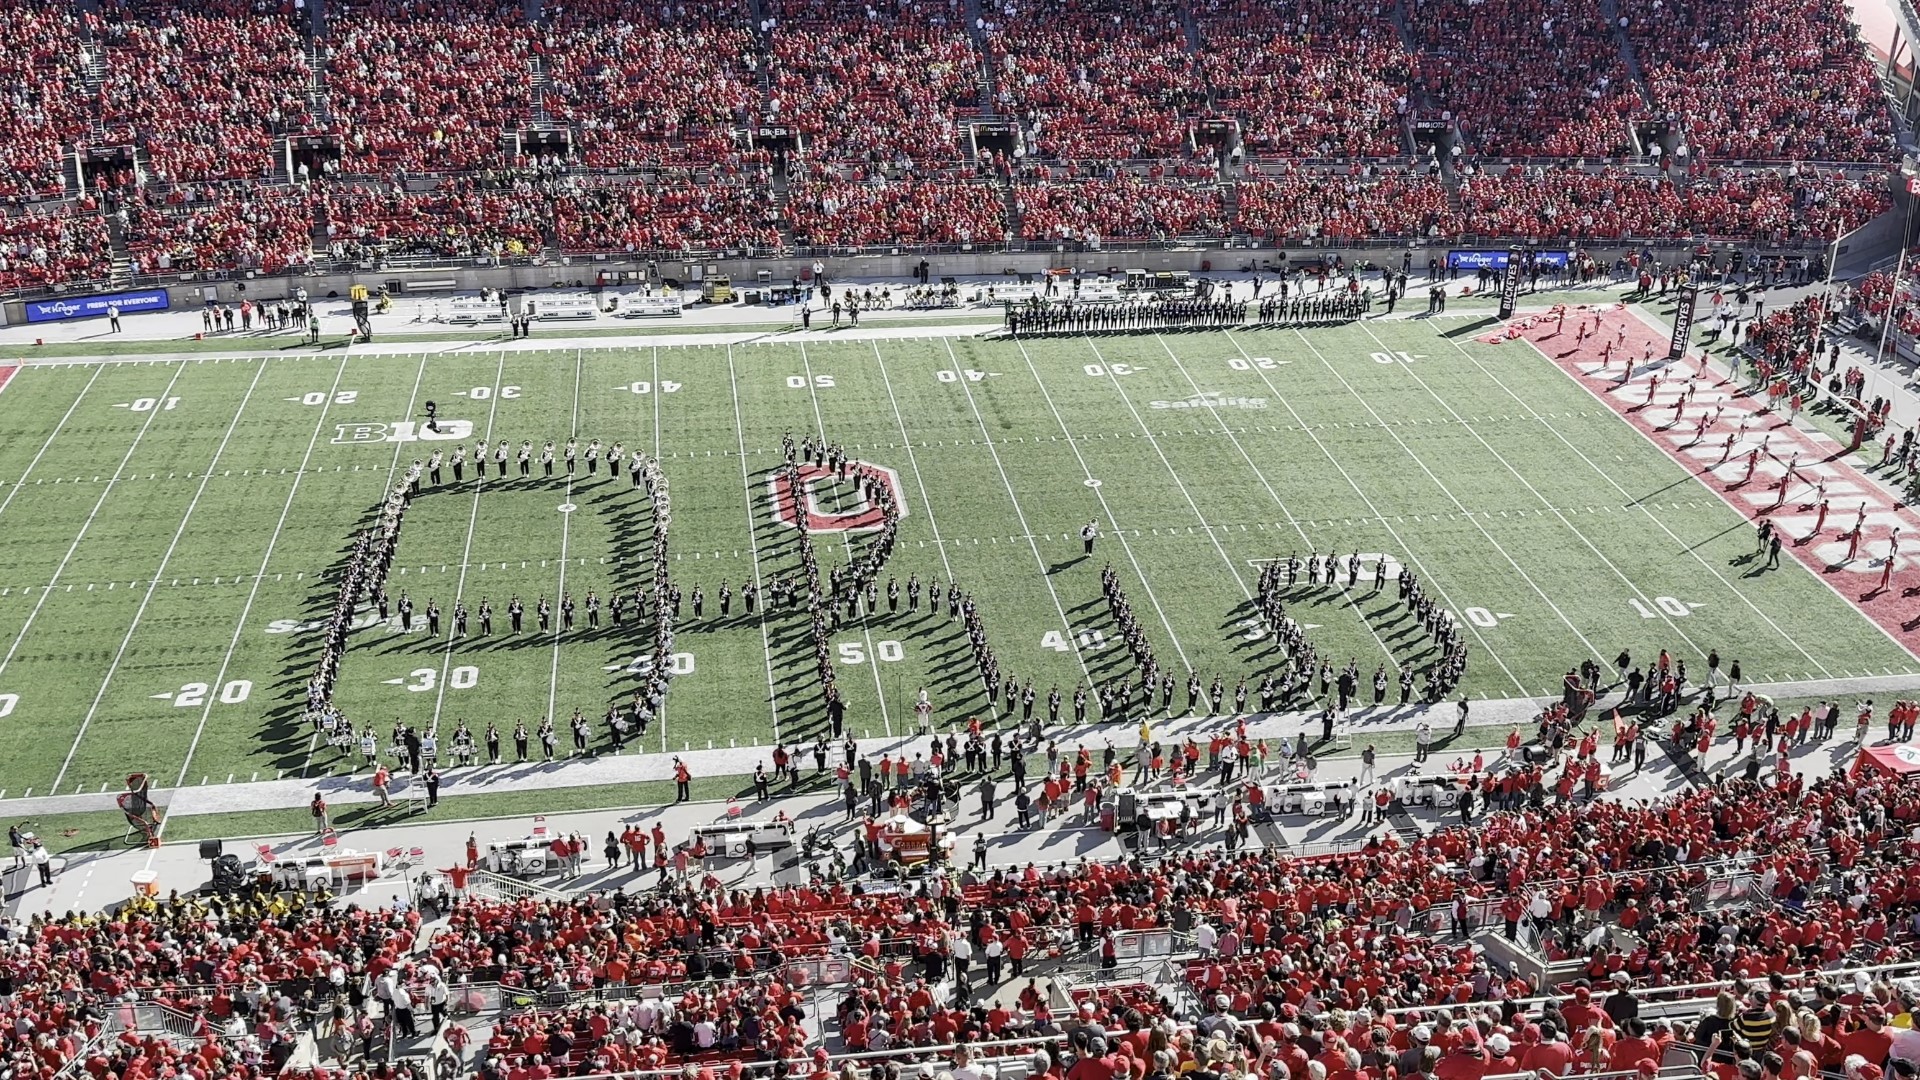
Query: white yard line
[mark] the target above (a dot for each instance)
(240, 625)
(466, 551)
(80, 535)
(753, 544)
(392, 469)
(1046, 575)
(913, 462)
(1631, 499)
(566, 532)
(1412, 556)
(1544, 501)
(1113, 523)
(206, 477)
(1353, 600)
(846, 542)
(661, 717)
(1518, 570)
(17, 484)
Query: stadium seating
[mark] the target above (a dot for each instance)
(671, 213)
(1571, 203)
(1095, 80)
(1127, 122)
(58, 242)
(863, 87)
(1805, 91)
(205, 87)
(645, 89)
(219, 226)
(1525, 77)
(1318, 78)
(1126, 207)
(458, 218)
(1345, 204)
(43, 104)
(838, 212)
(427, 86)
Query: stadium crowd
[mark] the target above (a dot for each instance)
(1331, 946)
(1115, 122)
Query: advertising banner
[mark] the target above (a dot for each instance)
(93, 307)
(1683, 323)
(1497, 260)
(1510, 283)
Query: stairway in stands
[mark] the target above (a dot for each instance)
(121, 258)
(974, 13)
(1404, 827)
(1610, 11)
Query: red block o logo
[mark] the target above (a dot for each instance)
(857, 515)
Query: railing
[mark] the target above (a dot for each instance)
(491, 886)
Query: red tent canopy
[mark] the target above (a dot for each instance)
(1900, 760)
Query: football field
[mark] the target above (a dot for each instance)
(169, 531)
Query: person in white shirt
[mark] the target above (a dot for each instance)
(703, 1034)
(1204, 937)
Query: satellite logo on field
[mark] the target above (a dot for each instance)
(1211, 399)
(834, 505)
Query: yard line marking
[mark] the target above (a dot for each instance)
(1112, 522)
(50, 437)
(87, 524)
(566, 530)
(1066, 625)
(1353, 599)
(466, 551)
(919, 481)
(240, 626)
(1544, 501)
(661, 716)
(139, 612)
(748, 487)
(866, 630)
(1650, 515)
(1408, 549)
(1448, 492)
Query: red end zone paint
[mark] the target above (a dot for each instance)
(6, 374)
(1774, 445)
(862, 516)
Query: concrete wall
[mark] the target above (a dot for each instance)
(584, 271)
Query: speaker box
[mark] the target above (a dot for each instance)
(210, 849)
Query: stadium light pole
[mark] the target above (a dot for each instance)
(1899, 267)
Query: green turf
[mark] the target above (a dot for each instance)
(1525, 505)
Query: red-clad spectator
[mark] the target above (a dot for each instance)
(896, 211)
(1126, 207)
(1526, 77)
(675, 212)
(1321, 78)
(44, 106)
(1094, 79)
(648, 85)
(427, 85)
(1354, 203)
(1768, 81)
(205, 88)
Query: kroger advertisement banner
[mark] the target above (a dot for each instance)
(1497, 260)
(90, 307)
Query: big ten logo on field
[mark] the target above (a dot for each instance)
(834, 505)
(403, 432)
